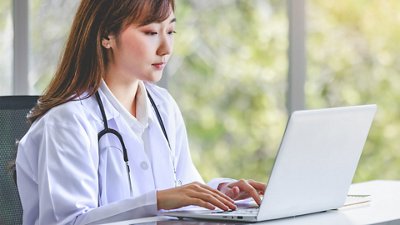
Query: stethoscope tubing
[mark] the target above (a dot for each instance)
(108, 130)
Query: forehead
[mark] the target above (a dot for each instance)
(151, 12)
(170, 20)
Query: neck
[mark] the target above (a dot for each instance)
(125, 92)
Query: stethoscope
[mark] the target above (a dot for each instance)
(108, 130)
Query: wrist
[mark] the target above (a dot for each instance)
(158, 200)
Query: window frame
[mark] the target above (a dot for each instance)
(296, 53)
(20, 82)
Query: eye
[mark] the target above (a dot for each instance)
(171, 32)
(150, 33)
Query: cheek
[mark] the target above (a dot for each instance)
(134, 44)
(137, 50)
(172, 42)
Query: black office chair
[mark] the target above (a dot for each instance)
(13, 126)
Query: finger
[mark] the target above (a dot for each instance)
(214, 197)
(222, 197)
(260, 187)
(201, 203)
(217, 192)
(236, 191)
(202, 198)
(250, 190)
(232, 192)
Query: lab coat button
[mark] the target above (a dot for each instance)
(144, 165)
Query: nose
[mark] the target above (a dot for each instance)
(166, 45)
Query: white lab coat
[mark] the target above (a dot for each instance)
(62, 178)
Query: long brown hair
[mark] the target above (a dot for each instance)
(84, 60)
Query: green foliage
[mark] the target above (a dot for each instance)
(228, 74)
(5, 42)
(354, 58)
(229, 78)
(229, 70)
(4, 13)
(49, 27)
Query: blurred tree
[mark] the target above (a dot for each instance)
(354, 58)
(228, 74)
(49, 26)
(6, 38)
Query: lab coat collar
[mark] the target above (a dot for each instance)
(149, 88)
(143, 109)
(111, 111)
(141, 121)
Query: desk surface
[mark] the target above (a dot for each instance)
(384, 208)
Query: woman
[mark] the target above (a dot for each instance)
(106, 144)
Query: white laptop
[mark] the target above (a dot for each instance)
(313, 169)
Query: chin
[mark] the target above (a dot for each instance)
(155, 77)
(152, 79)
(151, 76)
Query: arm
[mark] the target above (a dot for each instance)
(243, 189)
(64, 154)
(234, 189)
(195, 192)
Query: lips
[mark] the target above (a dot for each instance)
(158, 66)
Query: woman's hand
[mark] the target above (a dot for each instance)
(194, 194)
(243, 189)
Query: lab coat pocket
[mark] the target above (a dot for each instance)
(113, 177)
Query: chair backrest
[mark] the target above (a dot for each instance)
(13, 126)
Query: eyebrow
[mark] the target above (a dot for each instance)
(173, 20)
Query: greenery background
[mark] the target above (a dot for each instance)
(6, 46)
(354, 58)
(229, 74)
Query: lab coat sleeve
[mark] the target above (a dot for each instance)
(67, 177)
(216, 181)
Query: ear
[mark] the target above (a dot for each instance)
(106, 42)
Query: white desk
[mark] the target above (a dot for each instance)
(384, 209)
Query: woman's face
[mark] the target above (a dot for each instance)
(142, 52)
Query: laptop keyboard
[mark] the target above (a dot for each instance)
(351, 199)
(239, 211)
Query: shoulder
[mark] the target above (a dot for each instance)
(77, 111)
(73, 118)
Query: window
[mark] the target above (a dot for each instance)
(228, 75)
(50, 21)
(6, 49)
(354, 58)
